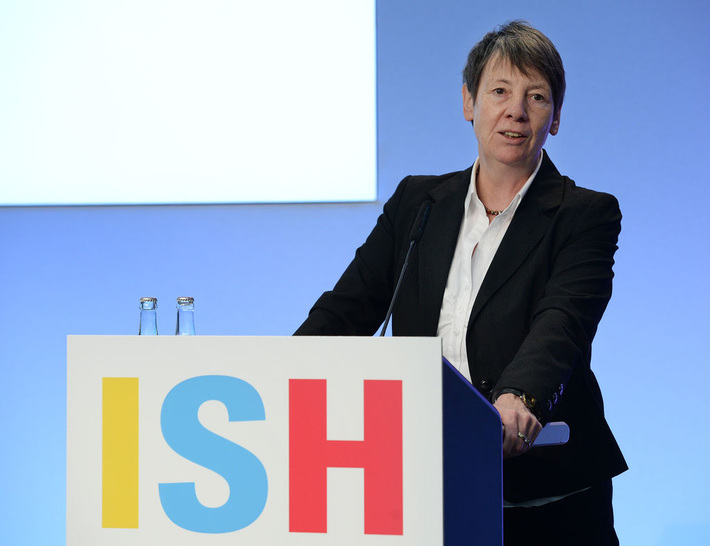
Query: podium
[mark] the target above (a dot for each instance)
(277, 440)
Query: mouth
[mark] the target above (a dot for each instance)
(512, 135)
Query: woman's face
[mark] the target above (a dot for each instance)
(512, 115)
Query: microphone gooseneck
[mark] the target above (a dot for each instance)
(414, 237)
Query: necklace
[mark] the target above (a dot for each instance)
(488, 211)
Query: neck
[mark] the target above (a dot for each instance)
(496, 185)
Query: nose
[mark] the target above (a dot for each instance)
(517, 108)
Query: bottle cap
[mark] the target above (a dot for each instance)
(149, 303)
(185, 300)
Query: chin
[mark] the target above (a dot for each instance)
(517, 161)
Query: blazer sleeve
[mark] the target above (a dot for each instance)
(574, 297)
(357, 304)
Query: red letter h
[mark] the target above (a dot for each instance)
(311, 453)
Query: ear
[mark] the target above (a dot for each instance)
(467, 103)
(555, 127)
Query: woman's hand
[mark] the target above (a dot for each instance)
(520, 426)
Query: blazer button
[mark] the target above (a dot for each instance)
(485, 386)
(555, 398)
(549, 405)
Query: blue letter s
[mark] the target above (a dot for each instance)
(241, 469)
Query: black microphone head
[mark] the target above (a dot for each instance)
(420, 222)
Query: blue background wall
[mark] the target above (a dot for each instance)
(635, 123)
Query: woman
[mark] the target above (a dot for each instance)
(513, 272)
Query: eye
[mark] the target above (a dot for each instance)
(537, 97)
(499, 91)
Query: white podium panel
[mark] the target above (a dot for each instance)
(254, 440)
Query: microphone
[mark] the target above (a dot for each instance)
(420, 222)
(414, 237)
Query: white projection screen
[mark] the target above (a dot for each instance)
(165, 101)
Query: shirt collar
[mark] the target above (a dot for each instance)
(472, 199)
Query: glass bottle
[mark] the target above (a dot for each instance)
(185, 325)
(149, 318)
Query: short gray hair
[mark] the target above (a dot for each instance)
(525, 48)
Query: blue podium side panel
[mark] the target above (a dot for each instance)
(473, 465)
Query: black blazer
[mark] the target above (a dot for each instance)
(533, 320)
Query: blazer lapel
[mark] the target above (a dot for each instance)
(529, 225)
(436, 249)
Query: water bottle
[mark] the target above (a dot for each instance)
(185, 325)
(149, 319)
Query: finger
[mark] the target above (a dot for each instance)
(531, 430)
(520, 429)
(512, 443)
(528, 424)
(527, 441)
(506, 443)
(526, 434)
(537, 428)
